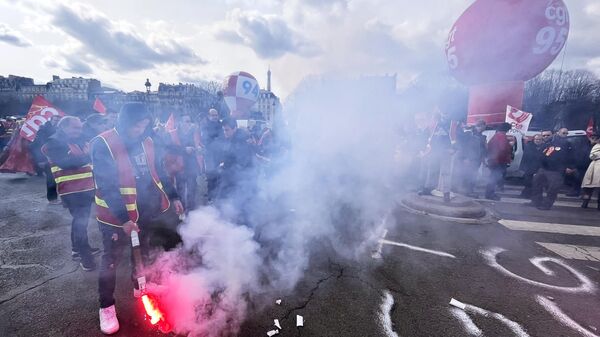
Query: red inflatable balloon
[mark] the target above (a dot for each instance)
(505, 42)
(240, 91)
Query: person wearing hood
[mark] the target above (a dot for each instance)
(70, 164)
(131, 191)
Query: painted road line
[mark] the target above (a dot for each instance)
(419, 249)
(524, 201)
(544, 227)
(567, 321)
(585, 284)
(585, 253)
(385, 315)
(473, 329)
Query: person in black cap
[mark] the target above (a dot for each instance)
(131, 191)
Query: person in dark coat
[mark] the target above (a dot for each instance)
(554, 165)
(70, 163)
(499, 157)
(472, 153)
(186, 141)
(44, 133)
(531, 162)
(131, 192)
(213, 140)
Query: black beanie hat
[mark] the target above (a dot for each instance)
(130, 114)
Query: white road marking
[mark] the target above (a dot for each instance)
(524, 201)
(567, 251)
(472, 329)
(419, 249)
(567, 321)
(467, 322)
(543, 227)
(377, 253)
(586, 285)
(385, 317)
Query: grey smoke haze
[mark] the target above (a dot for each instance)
(333, 189)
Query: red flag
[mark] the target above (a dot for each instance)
(590, 127)
(18, 156)
(170, 125)
(99, 106)
(39, 113)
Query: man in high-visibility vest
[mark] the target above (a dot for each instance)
(70, 164)
(131, 191)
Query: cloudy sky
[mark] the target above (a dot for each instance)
(124, 42)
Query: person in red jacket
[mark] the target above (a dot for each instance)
(499, 155)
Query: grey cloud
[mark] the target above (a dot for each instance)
(12, 37)
(120, 50)
(269, 36)
(77, 66)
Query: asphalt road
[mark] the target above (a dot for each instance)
(423, 264)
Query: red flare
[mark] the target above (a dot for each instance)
(154, 314)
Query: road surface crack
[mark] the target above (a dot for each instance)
(33, 287)
(337, 275)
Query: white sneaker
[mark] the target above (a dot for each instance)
(109, 324)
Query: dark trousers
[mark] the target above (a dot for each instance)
(469, 174)
(527, 182)
(51, 193)
(115, 241)
(495, 179)
(551, 181)
(212, 185)
(79, 205)
(187, 188)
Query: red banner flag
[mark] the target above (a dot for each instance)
(590, 127)
(99, 106)
(18, 157)
(39, 113)
(170, 125)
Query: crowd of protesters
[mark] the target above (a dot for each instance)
(137, 174)
(454, 156)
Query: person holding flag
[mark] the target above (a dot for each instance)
(131, 192)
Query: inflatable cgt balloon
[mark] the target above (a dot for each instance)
(496, 45)
(240, 91)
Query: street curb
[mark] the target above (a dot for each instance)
(488, 218)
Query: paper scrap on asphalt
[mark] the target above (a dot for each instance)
(299, 320)
(272, 333)
(457, 304)
(278, 302)
(277, 324)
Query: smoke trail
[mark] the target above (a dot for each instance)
(333, 187)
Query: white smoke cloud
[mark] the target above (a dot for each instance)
(331, 190)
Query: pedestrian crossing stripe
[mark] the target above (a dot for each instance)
(544, 227)
(576, 252)
(524, 201)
